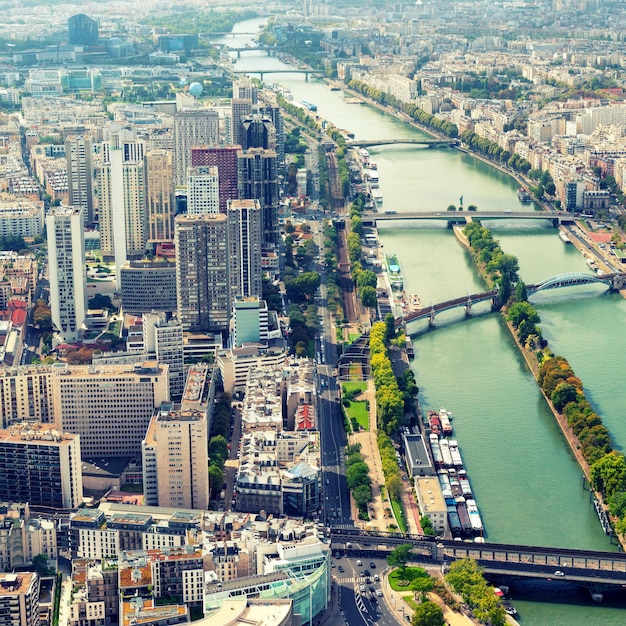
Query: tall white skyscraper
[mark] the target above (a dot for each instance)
(78, 152)
(197, 127)
(203, 190)
(245, 234)
(122, 189)
(68, 278)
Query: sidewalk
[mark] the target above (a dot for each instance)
(369, 449)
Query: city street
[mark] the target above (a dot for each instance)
(336, 497)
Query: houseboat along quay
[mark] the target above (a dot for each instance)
(527, 485)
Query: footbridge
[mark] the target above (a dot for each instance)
(614, 282)
(596, 570)
(370, 218)
(388, 142)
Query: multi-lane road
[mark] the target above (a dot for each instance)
(336, 497)
(360, 596)
(359, 602)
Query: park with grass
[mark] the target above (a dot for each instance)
(356, 411)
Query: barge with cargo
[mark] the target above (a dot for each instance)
(464, 521)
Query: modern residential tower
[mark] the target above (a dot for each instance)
(245, 225)
(202, 272)
(66, 266)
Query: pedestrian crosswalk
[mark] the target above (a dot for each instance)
(351, 579)
(334, 526)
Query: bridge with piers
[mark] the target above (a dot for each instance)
(261, 73)
(596, 570)
(370, 218)
(613, 281)
(388, 142)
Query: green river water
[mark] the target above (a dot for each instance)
(528, 486)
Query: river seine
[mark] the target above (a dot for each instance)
(527, 484)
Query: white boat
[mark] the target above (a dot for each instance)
(455, 453)
(445, 452)
(564, 238)
(377, 196)
(444, 481)
(474, 515)
(434, 446)
(466, 488)
(446, 427)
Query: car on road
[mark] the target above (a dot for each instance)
(379, 592)
(361, 587)
(340, 568)
(372, 565)
(359, 562)
(376, 578)
(559, 573)
(372, 589)
(366, 572)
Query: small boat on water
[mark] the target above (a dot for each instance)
(434, 422)
(444, 418)
(523, 195)
(474, 516)
(455, 453)
(466, 488)
(415, 301)
(564, 238)
(434, 446)
(445, 452)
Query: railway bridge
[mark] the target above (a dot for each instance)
(614, 282)
(596, 570)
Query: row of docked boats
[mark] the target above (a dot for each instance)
(439, 422)
(463, 516)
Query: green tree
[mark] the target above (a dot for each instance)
(100, 301)
(521, 293)
(362, 496)
(218, 449)
(366, 278)
(608, 475)
(307, 283)
(520, 311)
(428, 614)
(422, 584)
(400, 556)
(463, 575)
(42, 565)
(216, 479)
(390, 326)
(368, 296)
(564, 394)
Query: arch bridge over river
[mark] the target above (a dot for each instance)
(614, 282)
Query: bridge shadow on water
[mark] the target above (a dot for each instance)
(540, 299)
(560, 593)
(569, 294)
